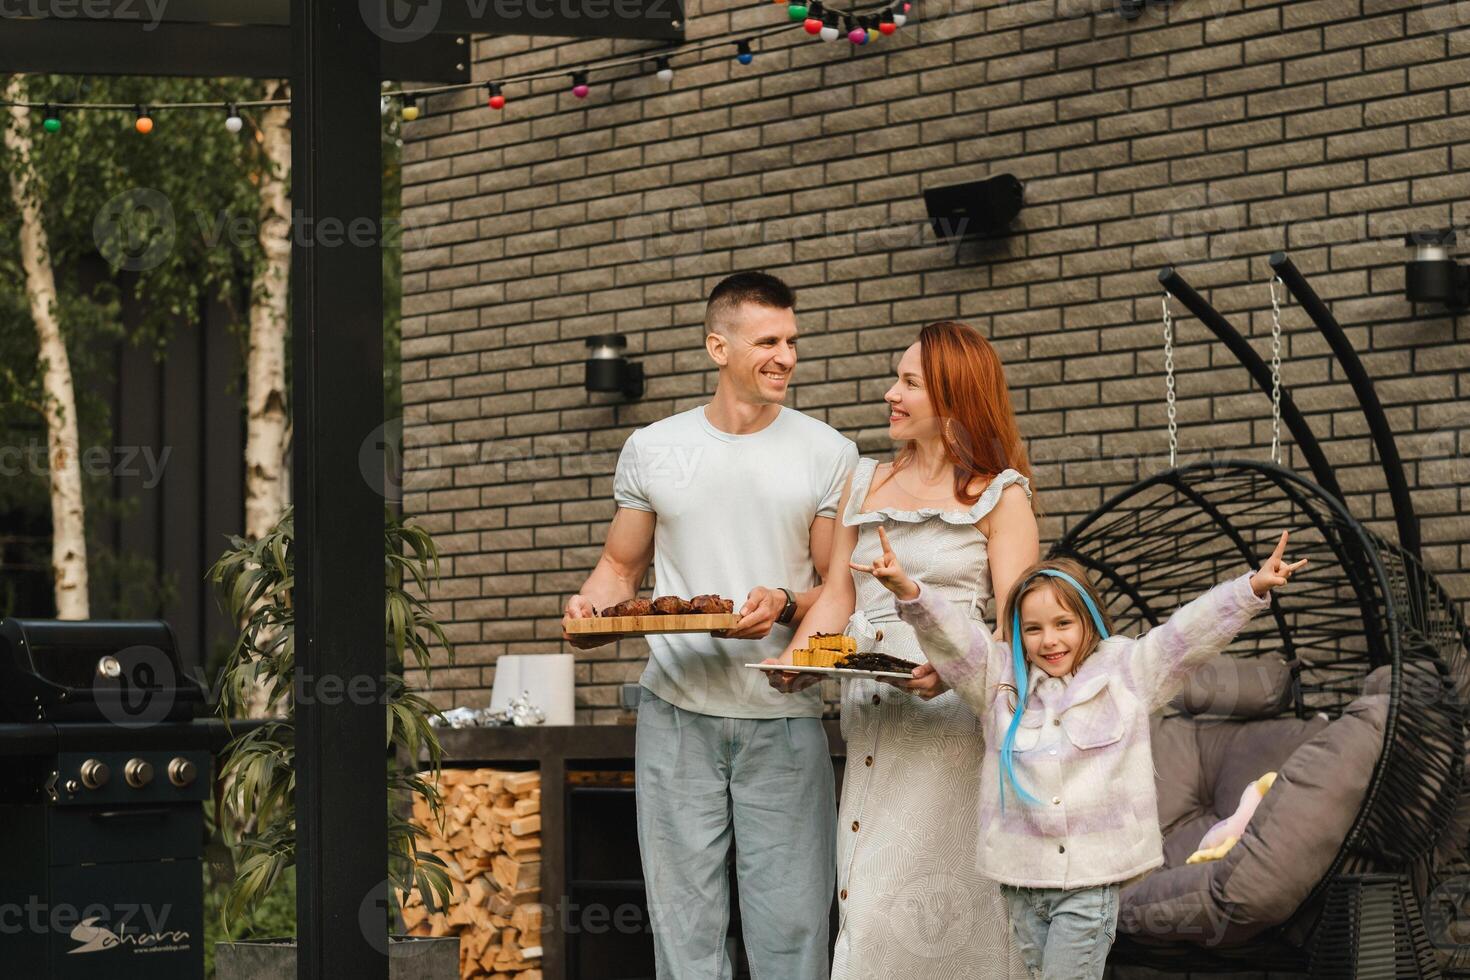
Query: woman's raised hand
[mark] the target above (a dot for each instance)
(1275, 572)
(888, 571)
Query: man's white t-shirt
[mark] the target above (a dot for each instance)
(733, 512)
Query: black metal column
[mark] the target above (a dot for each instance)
(337, 401)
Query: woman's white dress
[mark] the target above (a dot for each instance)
(911, 904)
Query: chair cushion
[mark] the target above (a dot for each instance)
(1238, 687)
(1290, 842)
(1202, 766)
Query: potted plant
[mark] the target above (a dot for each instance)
(254, 806)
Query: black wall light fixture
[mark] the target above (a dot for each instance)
(609, 371)
(1133, 9)
(1431, 276)
(979, 209)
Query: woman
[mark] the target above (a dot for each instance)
(955, 503)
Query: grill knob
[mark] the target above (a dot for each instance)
(95, 774)
(181, 772)
(73, 787)
(138, 773)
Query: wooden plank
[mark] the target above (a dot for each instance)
(635, 625)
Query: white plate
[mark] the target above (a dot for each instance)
(838, 672)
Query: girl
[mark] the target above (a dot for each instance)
(1067, 806)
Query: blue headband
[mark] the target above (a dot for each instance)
(1018, 655)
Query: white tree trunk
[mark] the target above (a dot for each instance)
(265, 392)
(68, 533)
(266, 490)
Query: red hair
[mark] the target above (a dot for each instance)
(966, 383)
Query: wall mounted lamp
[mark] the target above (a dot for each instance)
(609, 371)
(1133, 9)
(1431, 276)
(979, 209)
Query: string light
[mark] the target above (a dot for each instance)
(813, 22)
(814, 17)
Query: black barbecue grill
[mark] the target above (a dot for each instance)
(102, 775)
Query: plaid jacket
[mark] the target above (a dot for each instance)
(1082, 748)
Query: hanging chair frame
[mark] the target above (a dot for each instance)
(1408, 621)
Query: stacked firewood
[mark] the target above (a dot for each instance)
(491, 843)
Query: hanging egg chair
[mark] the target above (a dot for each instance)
(1369, 731)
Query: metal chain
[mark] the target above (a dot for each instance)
(1275, 373)
(1169, 383)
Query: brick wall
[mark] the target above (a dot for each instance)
(1206, 135)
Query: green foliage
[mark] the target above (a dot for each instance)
(273, 917)
(255, 582)
(205, 175)
(81, 175)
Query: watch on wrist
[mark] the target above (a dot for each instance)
(789, 610)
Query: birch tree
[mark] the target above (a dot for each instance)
(59, 404)
(265, 395)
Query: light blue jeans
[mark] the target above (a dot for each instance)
(1064, 934)
(766, 784)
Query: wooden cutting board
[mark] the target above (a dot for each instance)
(693, 623)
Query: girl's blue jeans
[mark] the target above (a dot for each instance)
(1064, 934)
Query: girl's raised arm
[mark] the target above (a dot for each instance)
(1162, 659)
(958, 649)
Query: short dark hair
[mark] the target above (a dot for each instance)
(755, 288)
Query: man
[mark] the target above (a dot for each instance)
(736, 497)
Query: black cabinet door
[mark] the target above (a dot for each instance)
(127, 921)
